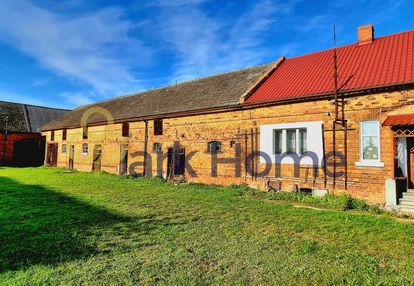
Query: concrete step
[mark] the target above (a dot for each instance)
(406, 202)
(406, 210)
(409, 196)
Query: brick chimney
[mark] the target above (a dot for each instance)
(365, 34)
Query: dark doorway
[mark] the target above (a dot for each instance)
(28, 152)
(123, 164)
(176, 162)
(97, 158)
(71, 156)
(52, 151)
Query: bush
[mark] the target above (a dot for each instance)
(341, 202)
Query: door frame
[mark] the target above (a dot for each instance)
(51, 154)
(175, 162)
(71, 162)
(97, 158)
(123, 162)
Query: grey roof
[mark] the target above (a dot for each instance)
(215, 91)
(25, 117)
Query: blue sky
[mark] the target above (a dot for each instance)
(73, 52)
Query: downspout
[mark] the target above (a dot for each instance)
(145, 147)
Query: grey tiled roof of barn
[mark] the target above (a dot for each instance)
(26, 118)
(215, 91)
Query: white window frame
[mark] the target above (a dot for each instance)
(314, 130)
(369, 162)
(85, 153)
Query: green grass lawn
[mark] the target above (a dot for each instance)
(91, 228)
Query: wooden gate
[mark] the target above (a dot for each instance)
(71, 156)
(123, 164)
(52, 150)
(97, 158)
(175, 162)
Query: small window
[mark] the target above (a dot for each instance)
(370, 140)
(157, 147)
(64, 134)
(214, 146)
(52, 135)
(125, 129)
(291, 141)
(158, 127)
(85, 132)
(85, 148)
(278, 141)
(64, 148)
(303, 143)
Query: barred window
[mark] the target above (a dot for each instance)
(85, 148)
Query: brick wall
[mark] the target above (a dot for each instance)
(242, 127)
(7, 144)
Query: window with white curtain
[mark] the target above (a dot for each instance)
(370, 140)
(370, 145)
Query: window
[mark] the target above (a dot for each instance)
(214, 146)
(85, 148)
(64, 134)
(85, 132)
(284, 142)
(370, 143)
(291, 141)
(125, 129)
(277, 141)
(291, 138)
(158, 127)
(52, 135)
(64, 148)
(303, 143)
(157, 147)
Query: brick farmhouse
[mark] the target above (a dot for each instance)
(279, 126)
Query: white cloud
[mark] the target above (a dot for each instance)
(76, 99)
(206, 44)
(93, 49)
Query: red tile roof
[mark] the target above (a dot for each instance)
(406, 119)
(388, 60)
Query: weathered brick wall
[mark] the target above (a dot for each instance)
(7, 145)
(194, 132)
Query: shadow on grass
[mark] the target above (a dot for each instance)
(41, 226)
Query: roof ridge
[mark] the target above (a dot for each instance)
(34, 105)
(170, 85)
